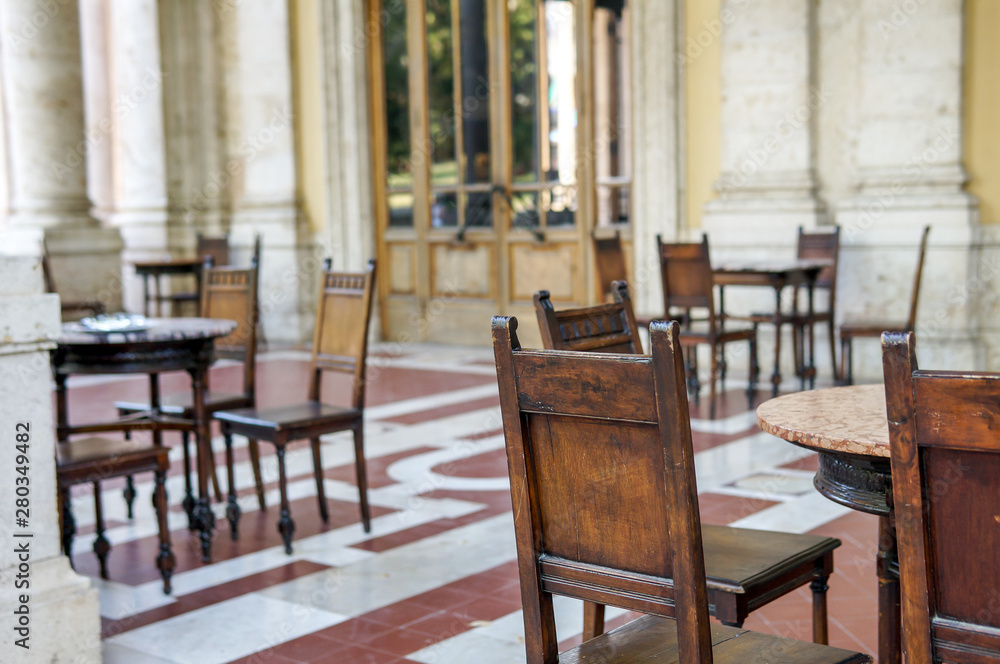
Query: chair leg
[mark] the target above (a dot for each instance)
(833, 350)
(68, 525)
(285, 524)
(361, 470)
(324, 512)
(128, 493)
(846, 360)
(215, 475)
(188, 501)
(691, 372)
(165, 560)
(819, 588)
(233, 506)
(754, 370)
(711, 383)
(593, 620)
(101, 544)
(254, 447)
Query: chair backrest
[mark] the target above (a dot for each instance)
(911, 319)
(609, 258)
(945, 457)
(686, 274)
(216, 247)
(343, 315)
(822, 245)
(231, 293)
(602, 481)
(609, 328)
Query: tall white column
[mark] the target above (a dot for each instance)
(48, 613)
(767, 187)
(46, 150)
(260, 170)
(909, 174)
(655, 196)
(125, 129)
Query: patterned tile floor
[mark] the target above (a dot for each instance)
(436, 580)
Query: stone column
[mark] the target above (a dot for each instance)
(767, 187)
(655, 119)
(44, 605)
(46, 150)
(126, 159)
(260, 171)
(350, 221)
(909, 174)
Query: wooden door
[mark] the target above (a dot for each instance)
(488, 168)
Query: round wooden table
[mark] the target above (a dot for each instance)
(847, 427)
(167, 344)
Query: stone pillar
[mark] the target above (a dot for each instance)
(46, 150)
(59, 607)
(350, 221)
(767, 187)
(655, 119)
(126, 156)
(260, 171)
(909, 174)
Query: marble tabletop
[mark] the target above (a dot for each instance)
(148, 330)
(841, 419)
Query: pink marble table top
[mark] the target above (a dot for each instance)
(841, 419)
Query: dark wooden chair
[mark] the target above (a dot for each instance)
(824, 245)
(228, 293)
(850, 330)
(609, 258)
(94, 459)
(746, 568)
(340, 344)
(606, 505)
(70, 308)
(686, 275)
(945, 458)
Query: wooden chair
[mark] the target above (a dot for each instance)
(851, 330)
(229, 293)
(824, 245)
(340, 344)
(746, 568)
(94, 459)
(69, 308)
(606, 506)
(686, 275)
(609, 258)
(945, 458)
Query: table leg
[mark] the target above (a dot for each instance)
(776, 374)
(889, 649)
(204, 518)
(145, 294)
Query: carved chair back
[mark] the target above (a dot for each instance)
(686, 274)
(602, 479)
(609, 258)
(343, 316)
(231, 293)
(822, 245)
(945, 457)
(608, 328)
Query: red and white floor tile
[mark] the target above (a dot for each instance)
(436, 580)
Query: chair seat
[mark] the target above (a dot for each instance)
(740, 560)
(286, 419)
(653, 640)
(699, 330)
(113, 456)
(870, 328)
(180, 403)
